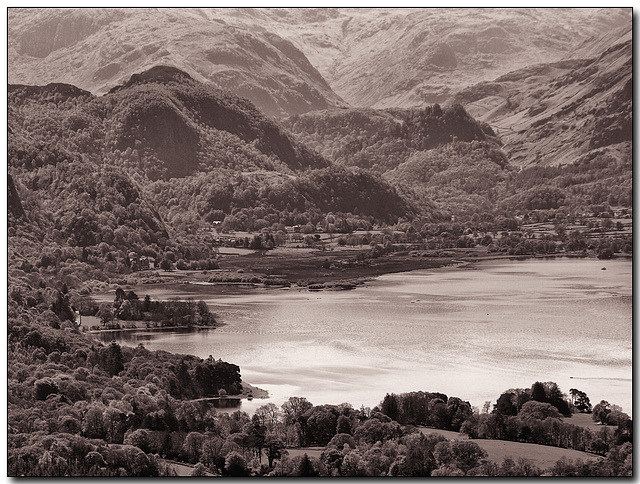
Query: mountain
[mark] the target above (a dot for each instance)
(383, 139)
(401, 57)
(185, 152)
(97, 49)
(161, 156)
(294, 60)
(162, 114)
(557, 113)
(574, 114)
(437, 157)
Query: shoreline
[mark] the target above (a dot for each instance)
(154, 329)
(471, 264)
(303, 272)
(249, 391)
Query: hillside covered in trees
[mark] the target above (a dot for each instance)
(445, 157)
(143, 168)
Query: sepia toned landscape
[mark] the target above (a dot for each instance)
(319, 242)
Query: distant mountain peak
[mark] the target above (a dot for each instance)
(159, 74)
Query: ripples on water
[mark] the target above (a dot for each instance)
(467, 333)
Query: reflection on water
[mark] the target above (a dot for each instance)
(471, 333)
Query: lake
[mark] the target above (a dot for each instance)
(468, 332)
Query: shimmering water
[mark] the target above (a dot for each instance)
(471, 333)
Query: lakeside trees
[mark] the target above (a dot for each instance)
(173, 312)
(77, 408)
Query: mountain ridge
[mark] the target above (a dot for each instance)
(586, 102)
(291, 61)
(52, 44)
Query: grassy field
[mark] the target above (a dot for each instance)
(543, 456)
(310, 451)
(586, 420)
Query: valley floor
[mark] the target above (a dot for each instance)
(331, 269)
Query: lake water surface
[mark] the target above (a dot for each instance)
(467, 332)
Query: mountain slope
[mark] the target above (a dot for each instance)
(97, 49)
(551, 114)
(383, 139)
(170, 120)
(291, 61)
(399, 57)
(437, 157)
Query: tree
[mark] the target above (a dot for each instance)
(459, 454)
(305, 468)
(389, 406)
(601, 412)
(538, 392)
(62, 308)
(166, 264)
(235, 465)
(203, 312)
(580, 400)
(256, 433)
(294, 408)
(274, 447)
(556, 398)
(43, 388)
(343, 425)
(505, 404)
(458, 411)
(321, 424)
(105, 313)
(126, 311)
(538, 411)
(193, 446)
(340, 440)
(146, 305)
(269, 415)
(256, 243)
(114, 420)
(199, 470)
(93, 426)
(141, 438)
(111, 359)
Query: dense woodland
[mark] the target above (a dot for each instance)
(444, 156)
(100, 186)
